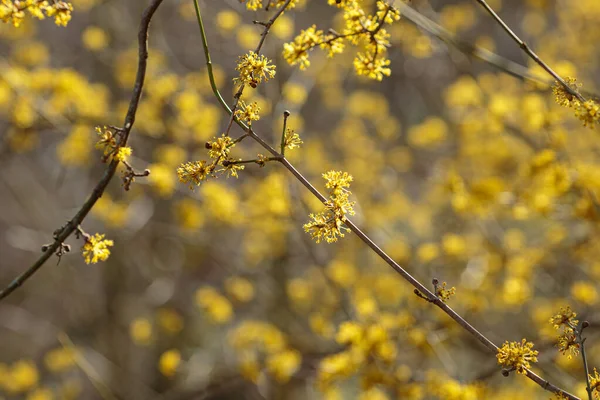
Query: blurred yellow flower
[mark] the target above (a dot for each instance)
(94, 38)
(241, 289)
(169, 362)
(140, 331)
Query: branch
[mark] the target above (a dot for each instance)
(425, 292)
(530, 52)
(64, 232)
(510, 67)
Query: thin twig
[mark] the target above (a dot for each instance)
(510, 67)
(586, 370)
(426, 293)
(572, 91)
(63, 233)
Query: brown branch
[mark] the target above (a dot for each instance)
(64, 232)
(503, 64)
(420, 288)
(572, 91)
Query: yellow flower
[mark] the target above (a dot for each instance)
(296, 52)
(349, 332)
(253, 4)
(169, 362)
(169, 320)
(96, 248)
(284, 364)
(328, 225)
(337, 181)
(227, 20)
(595, 384)
(454, 245)
(60, 359)
(584, 292)
(518, 356)
(568, 343)
(443, 293)
(140, 331)
(41, 394)
(371, 66)
(588, 112)
(248, 112)
(61, 11)
(239, 288)
(217, 307)
(342, 273)
(13, 12)
(291, 140)
(22, 376)
(254, 69)
(123, 153)
(94, 38)
(566, 318)
(219, 148)
(194, 172)
(561, 95)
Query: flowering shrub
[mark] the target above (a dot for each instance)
(481, 178)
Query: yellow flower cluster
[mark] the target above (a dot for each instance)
(254, 69)
(255, 5)
(20, 377)
(567, 340)
(370, 352)
(291, 139)
(360, 29)
(96, 248)
(261, 345)
(328, 225)
(108, 143)
(168, 362)
(443, 293)
(444, 387)
(595, 384)
(248, 112)
(214, 304)
(587, 111)
(195, 172)
(517, 355)
(13, 11)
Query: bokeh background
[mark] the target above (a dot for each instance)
(462, 172)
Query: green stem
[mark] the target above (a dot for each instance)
(209, 68)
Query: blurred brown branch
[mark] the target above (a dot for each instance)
(61, 234)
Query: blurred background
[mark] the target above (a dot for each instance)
(462, 172)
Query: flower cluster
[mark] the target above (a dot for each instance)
(109, 143)
(195, 172)
(443, 293)
(261, 345)
(595, 383)
(366, 345)
(568, 341)
(95, 248)
(214, 304)
(255, 5)
(291, 139)
(587, 111)
(254, 69)
(360, 29)
(248, 112)
(328, 225)
(517, 355)
(13, 11)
